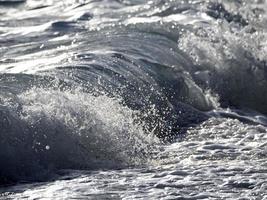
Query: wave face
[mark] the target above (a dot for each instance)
(101, 83)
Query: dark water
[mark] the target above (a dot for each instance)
(144, 99)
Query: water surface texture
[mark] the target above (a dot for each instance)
(133, 99)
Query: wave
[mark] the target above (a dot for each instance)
(88, 85)
(44, 130)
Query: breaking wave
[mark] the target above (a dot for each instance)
(99, 84)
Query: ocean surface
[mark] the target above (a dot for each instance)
(133, 99)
